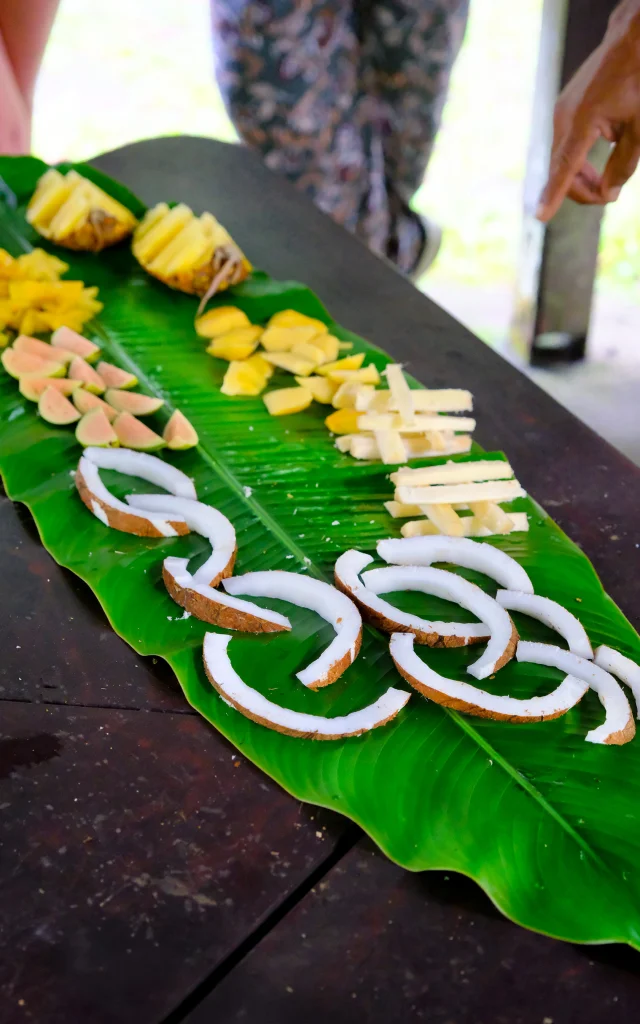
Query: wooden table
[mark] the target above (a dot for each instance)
(149, 873)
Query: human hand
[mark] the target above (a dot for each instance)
(15, 121)
(602, 100)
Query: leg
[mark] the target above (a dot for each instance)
(409, 47)
(288, 72)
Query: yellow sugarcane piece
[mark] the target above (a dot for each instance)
(342, 421)
(321, 388)
(239, 343)
(348, 363)
(285, 401)
(219, 321)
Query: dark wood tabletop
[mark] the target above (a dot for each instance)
(149, 872)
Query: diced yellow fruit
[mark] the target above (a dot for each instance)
(321, 388)
(288, 400)
(261, 366)
(309, 351)
(242, 379)
(239, 343)
(289, 361)
(343, 421)
(367, 375)
(329, 345)
(345, 346)
(291, 318)
(282, 339)
(348, 363)
(220, 320)
(347, 394)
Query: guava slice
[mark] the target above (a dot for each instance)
(92, 381)
(33, 347)
(85, 401)
(55, 408)
(178, 433)
(17, 364)
(65, 338)
(132, 433)
(133, 402)
(114, 377)
(95, 430)
(31, 387)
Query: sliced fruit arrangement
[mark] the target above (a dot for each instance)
(33, 299)
(192, 254)
(71, 211)
(68, 389)
(394, 425)
(458, 499)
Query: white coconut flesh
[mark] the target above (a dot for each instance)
(251, 618)
(147, 467)
(318, 597)
(618, 726)
(252, 704)
(202, 519)
(440, 583)
(468, 554)
(389, 618)
(621, 667)
(472, 700)
(552, 615)
(101, 496)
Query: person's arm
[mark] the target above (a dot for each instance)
(602, 100)
(24, 30)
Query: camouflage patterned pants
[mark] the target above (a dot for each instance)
(345, 98)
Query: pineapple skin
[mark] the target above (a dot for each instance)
(96, 230)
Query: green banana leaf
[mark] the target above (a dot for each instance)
(546, 823)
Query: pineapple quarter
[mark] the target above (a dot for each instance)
(73, 212)
(191, 254)
(221, 320)
(288, 400)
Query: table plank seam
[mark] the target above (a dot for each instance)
(343, 846)
(105, 707)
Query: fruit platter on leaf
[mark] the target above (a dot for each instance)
(319, 549)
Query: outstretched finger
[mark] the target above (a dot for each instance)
(566, 161)
(621, 164)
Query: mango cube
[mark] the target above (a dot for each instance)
(220, 320)
(260, 365)
(238, 343)
(348, 363)
(329, 345)
(366, 375)
(343, 421)
(285, 401)
(291, 362)
(242, 379)
(282, 339)
(321, 388)
(291, 318)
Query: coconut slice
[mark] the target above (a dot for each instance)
(458, 551)
(552, 615)
(147, 467)
(112, 512)
(321, 598)
(213, 606)
(447, 585)
(390, 619)
(253, 705)
(202, 519)
(622, 667)
(618, 726)
(474, 701)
